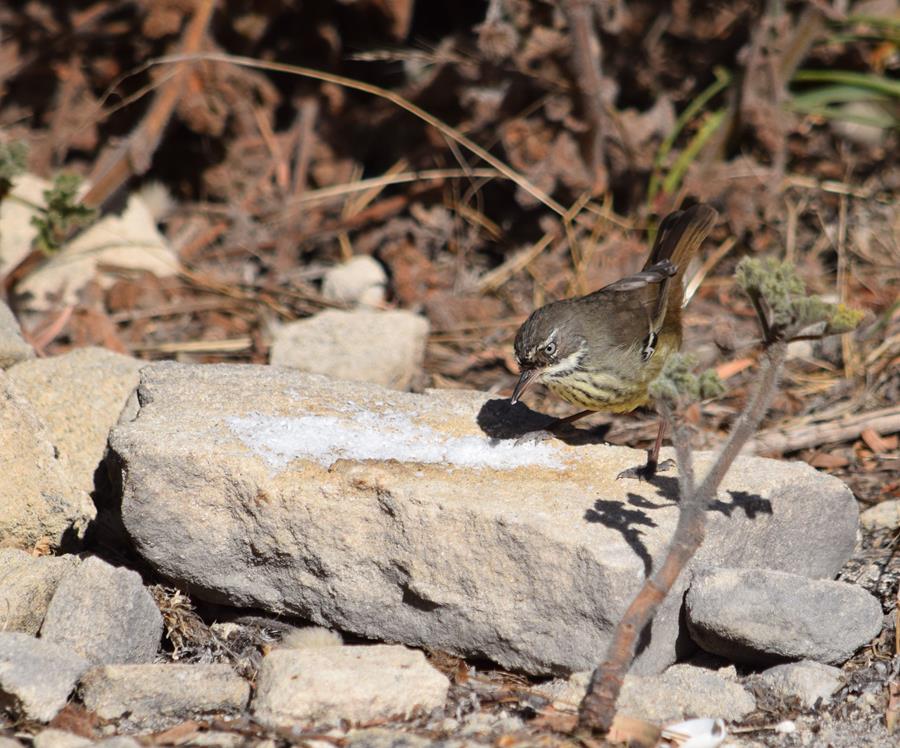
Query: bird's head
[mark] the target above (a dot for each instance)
(549, 343)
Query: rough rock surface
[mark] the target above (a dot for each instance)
(37, 676)
(883, 516)
(681, 692)
(27, 584)
(153, 696)
(40, 504)
(760, 616)
(807, 681)
(13, 347)
(104, 614)
(386, 348)
(79, 396)
(53, 738)
(360, 280)
(358, 684)
(393, 516)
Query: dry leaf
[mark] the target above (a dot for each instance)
(828, 460)
(876, 442)
(178, 734)
(730, 368)
(633, 732)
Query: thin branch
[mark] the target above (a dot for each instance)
(134, 155)
(586, 63)
(747, 423)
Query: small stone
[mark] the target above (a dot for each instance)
(359, 281)
(684, 691)
(311, 637)
(105, 614)
(157, 695)
(27, 584)
(485, 723)
(37, 675)
(786, 727)
(79, 396)
(380, 737)
(220, 739)
(40, 504)
(807, 681)
(13, 347)
(681, 692)
(357, 684)
(385, 348)
(53, 738)
(761, 616)
(883, 516)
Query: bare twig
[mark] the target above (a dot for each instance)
(784, 440)
(586, 60)
(134, 155)
(599, 706)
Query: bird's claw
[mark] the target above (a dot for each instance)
(647, 471)
(535, 437)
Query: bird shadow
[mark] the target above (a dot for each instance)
(499, 419)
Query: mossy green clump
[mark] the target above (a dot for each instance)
(785, 307)
(62, 213)
(13, 161)
(678, 383)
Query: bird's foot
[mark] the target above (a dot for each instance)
(535, 437)
(648, 471)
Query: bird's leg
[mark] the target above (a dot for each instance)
(548, 432)
(652, 466)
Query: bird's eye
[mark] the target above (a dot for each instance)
(550, 349)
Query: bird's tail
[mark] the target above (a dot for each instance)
(680, 235)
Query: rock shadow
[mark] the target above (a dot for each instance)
(498, 419)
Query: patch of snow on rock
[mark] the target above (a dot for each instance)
(376, 436)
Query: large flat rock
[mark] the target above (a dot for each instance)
(394, 515)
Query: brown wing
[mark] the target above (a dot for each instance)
(636, 302)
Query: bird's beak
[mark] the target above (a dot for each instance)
(525, 379)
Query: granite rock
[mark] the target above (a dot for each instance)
(105, 614)
(386, 348)
(761, 616)
(409, 518)
(357, 684)
(37, 676)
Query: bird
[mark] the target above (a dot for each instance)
(601, 351)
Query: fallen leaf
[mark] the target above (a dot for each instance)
(876, 442)
(178, 734)
(730, 368)
(633, 732)
(828, 460)
(555, 720)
